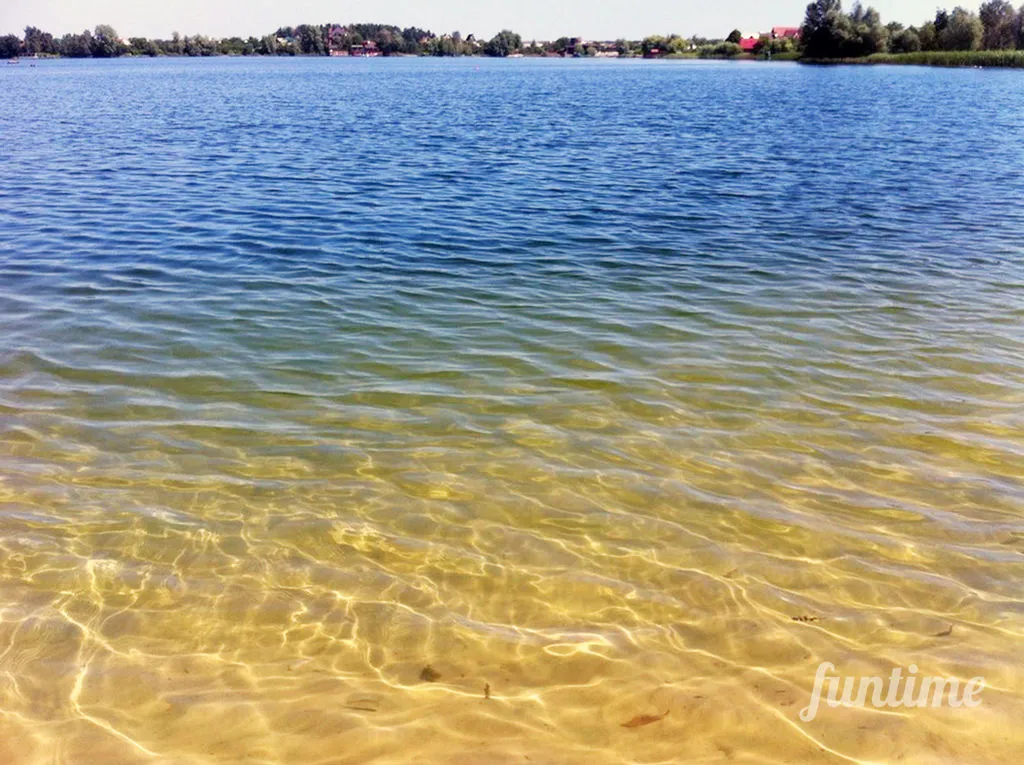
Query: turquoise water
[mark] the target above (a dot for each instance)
(576, 380)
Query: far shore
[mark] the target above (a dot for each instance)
(992, 36)
(981, 59)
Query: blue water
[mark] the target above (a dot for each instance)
(581, 379)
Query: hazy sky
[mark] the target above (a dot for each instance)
(534, 19)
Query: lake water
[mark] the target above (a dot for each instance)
(615, 388)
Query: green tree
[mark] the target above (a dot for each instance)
(675, 44)
(929, 36)
(963, 31)
(39, 42)
(720, 50)
(734, 36)
(106, 43)
(503, 44)
(140, 46)
(232, 46)
(415, 39)
(768, 45)
(311, 39)
(76, 46)
(868, 34)
(10, 46)
(199, 45)
(560, 46)
(905, 41)
(999, 20)
(653, 45)
(268, 46)
(827, 32)
(389, 41)
(825, 29)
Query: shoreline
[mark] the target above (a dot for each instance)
(1008, 59)
(985, 59)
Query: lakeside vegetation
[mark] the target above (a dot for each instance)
(1009, 59)
(992, 36)
(351, 39)
(829, 33)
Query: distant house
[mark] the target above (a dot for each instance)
(747, 44)
(606, 49)
(780, 32)
(368, 48)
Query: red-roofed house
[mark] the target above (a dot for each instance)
(368, 49)
(747, 44)
(780, 32)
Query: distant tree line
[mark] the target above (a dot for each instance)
(306, 39)
(829, 32)
(325, 39)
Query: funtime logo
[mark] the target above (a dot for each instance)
(889, 692)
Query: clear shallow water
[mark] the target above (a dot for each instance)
(576, 379)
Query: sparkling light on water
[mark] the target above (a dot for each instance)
(618, 388)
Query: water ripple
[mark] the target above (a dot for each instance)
(579, 380)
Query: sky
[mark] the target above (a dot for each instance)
(533, 19)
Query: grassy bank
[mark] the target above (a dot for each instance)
(972, 58)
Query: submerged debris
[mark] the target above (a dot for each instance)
(806, 619)
(944, 633)
(357, 708)
(639, 720)
(487, 690)
(362, 703)
(429, 674)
